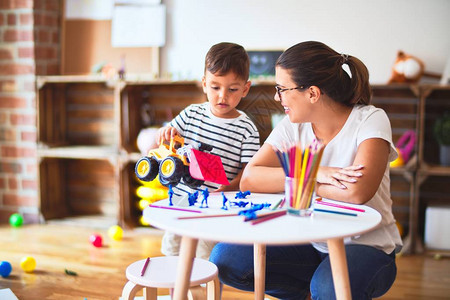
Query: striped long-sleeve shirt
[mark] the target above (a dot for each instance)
(234, 140)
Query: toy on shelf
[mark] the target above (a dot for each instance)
(405, 147)
(151, 191)
(410, 69)
(406, 69)
(174, 161)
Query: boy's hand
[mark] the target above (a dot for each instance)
(166, 133)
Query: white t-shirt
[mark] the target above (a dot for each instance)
(364, 122)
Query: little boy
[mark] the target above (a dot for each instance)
(231, 133)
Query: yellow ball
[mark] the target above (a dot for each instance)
(28, 264)
(143, 203)
(398, 162)
(115, 232)
(400, 228)
(143, 222)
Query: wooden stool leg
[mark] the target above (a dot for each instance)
(184, 268)
(150, 293)
(196, 293)
(129, 290)
(213, 289)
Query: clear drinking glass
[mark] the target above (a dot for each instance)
(298, 203)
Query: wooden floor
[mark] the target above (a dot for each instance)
(101, 271)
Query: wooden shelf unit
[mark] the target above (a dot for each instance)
(432, 179)
(88, 127)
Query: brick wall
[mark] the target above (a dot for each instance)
(29, 46)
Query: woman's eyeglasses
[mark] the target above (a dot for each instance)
(280, 90)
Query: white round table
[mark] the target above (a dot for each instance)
(285, 230)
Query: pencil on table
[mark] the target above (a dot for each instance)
(145, 266)
(176, 208)
(269, 217)
(207, 216)
(335, 212)
(321, 202)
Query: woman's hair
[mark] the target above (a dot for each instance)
(228, 57)
(314, 63)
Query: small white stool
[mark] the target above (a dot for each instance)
(161, 273)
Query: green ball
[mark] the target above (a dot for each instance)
(16, 220)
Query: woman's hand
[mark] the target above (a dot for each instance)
(338, 176)
(166, 133)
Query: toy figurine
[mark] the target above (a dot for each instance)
(250, 214)
(205, 193)
(224, 203)
(242, 195)
(193, 198)
(170, 195)
(263, 205)
(238, 203)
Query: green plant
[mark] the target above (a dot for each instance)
(442, 130)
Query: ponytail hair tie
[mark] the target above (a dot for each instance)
(344, 58)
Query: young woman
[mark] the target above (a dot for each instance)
(324, 101)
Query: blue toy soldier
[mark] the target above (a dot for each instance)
(192, 198)
(224, 203)
(205, 193)
(170, 195)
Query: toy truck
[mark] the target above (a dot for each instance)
(174, 161)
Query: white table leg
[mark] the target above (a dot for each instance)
(259, 261)
(339, 269)
(184, 269)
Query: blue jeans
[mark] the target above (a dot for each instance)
(294, 271)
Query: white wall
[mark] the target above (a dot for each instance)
(372, 30)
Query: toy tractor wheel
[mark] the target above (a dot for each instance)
(146, 168)
(167, 183)
(190, 181)
(170, 170)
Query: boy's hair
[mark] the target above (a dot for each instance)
(228, 57)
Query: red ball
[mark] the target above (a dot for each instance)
(96, 240)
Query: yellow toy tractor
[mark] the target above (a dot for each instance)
(174, 161)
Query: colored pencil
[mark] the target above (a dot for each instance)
(278, 204)
(260, 214)
(303, 167)
(176, 208)
(269, 217)
(208, 216)
(335, 212)
(145, 266)
(321, 202)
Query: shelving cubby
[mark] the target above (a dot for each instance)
(432, 188)
(401, 102)
(77, 149)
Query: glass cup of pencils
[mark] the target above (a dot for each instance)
(298, 199)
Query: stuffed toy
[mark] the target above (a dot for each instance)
(405, 148)
(406, 69)
(146, 139)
